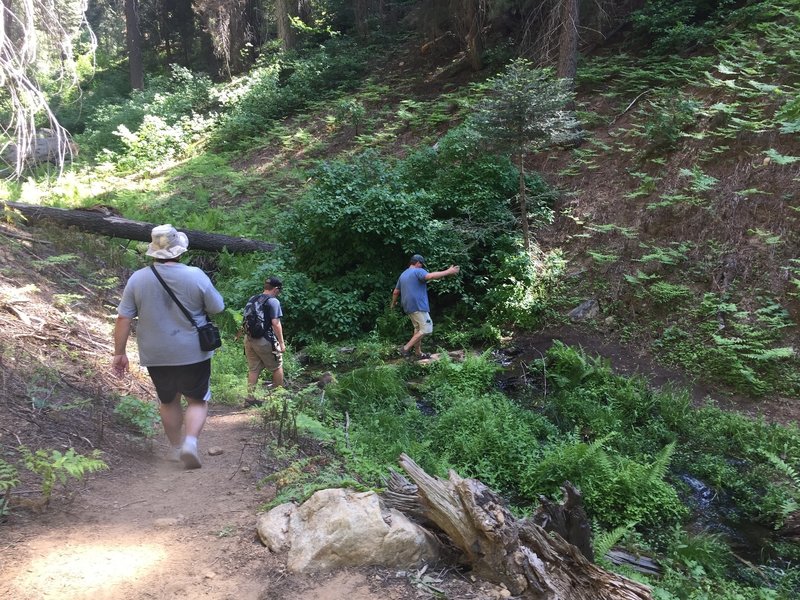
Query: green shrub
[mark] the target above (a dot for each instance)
(142, 416)
(665, 119)
(448, 382)
(54, 466)
(675, 26)
(743, 353)
(487, 437)
(369, 390)
(169, 102)
(9, 479)
(280, 89)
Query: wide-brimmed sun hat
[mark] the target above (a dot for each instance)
(167, 242)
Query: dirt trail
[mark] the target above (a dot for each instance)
(148, 529)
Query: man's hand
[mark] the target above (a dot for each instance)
(454, 269)
(119, 364)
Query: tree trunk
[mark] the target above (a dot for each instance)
(133, 37)
(521, 555)
(360, 13)
(283, 14)
(523, 204)
(568, 40)
(103, 223)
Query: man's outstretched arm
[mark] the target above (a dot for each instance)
(439, 274)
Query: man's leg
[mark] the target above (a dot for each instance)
(195, 418)
(172, 419)
(415, 342)
(277, 377)
(252, 380)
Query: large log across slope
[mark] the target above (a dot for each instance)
(528, 560)
(114, 226)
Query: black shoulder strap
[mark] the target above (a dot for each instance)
(172, 295)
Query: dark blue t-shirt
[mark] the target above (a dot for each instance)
(413, 290)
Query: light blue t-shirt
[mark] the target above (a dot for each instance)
(413, 290)
(164, 335)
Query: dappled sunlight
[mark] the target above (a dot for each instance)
(80, 571)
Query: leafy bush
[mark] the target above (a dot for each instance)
(366, 391)
(451, 205)
(487, 437)
(170, 102)
(142, 416)
(449, 382)
(282, 88)
(54, 466)
(743, 353)
(665, 119)
(9, 479)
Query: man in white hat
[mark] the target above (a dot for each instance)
(168, 342)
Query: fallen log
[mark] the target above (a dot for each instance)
(519, 554)
(105, 223)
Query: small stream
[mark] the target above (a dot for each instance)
(711, 512)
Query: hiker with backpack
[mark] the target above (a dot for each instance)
(263, 343)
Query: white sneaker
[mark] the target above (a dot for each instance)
(189, 456)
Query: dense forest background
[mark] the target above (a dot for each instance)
(637, 159)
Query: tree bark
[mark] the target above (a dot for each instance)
(568, 40)
(103, 223)
(133, 37)
(521, 555)
(523, 205)
(283, 14)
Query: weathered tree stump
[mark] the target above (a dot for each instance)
(521, 555)
(103, 223)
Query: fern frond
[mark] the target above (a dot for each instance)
(604, 541)
(658, 469)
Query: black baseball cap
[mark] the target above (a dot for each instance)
(273, 282)
(417, 258)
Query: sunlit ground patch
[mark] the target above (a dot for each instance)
(81, 571)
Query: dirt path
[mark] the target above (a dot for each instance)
(148, 529)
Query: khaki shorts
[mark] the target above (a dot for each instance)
(422, 322)
(261, 355)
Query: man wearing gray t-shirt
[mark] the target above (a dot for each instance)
(168, 342)
(412, 289)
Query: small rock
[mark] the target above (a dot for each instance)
(504, 594)
(210, 575)
(215, 451)
(245, 469)
(165, 522)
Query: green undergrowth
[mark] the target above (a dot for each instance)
(630, 450)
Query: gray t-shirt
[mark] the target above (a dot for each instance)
(413, 290)
(164, 335)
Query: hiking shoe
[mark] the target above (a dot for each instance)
(189, 456)
(252, 402)
(423, 356)
(405, 353)
(174, 455)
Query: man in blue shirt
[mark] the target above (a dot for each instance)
(412, 289)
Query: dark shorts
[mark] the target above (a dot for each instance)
(193, 381)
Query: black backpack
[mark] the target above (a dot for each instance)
(254, 321)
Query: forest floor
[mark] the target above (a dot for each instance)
(146, 528)
(149, 529)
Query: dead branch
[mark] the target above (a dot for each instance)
(521, 555)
